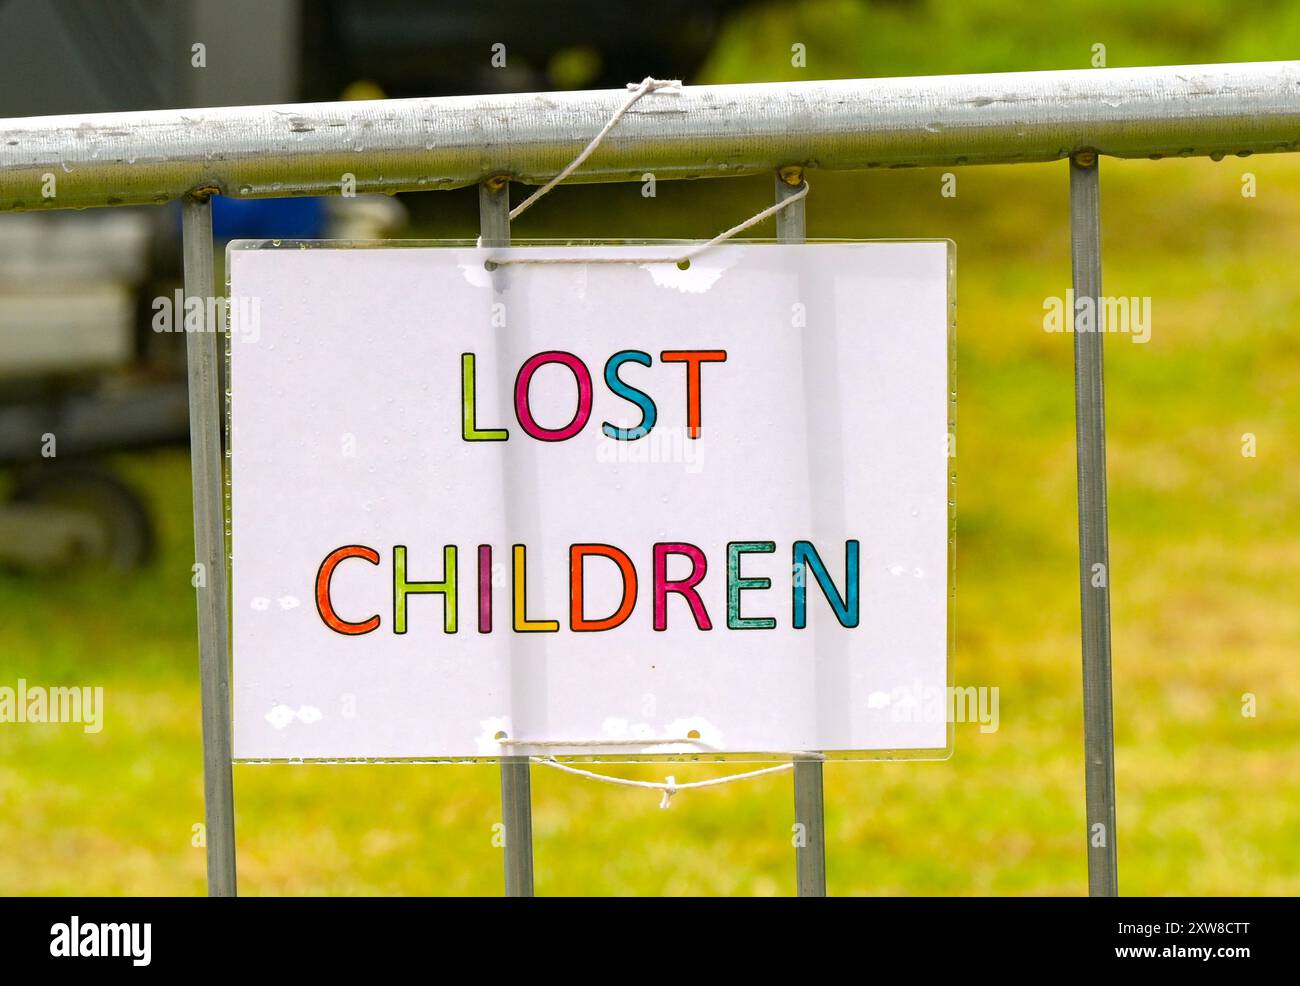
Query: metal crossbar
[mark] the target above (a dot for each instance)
(706, 131)
(409, 145)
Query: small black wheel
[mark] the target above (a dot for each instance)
(126, 534)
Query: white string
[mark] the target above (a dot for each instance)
(691, 740)
(681, 260)
(646, 86)
(668, 787)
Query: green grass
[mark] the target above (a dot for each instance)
(859, 39)
(1206, 559)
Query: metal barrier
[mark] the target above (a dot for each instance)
(702, 131)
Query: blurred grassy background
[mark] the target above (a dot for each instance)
(1205, 555)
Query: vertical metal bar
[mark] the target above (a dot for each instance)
(790, 224)
(1094, 552)
(809, 806)
(494, 212)
(809, 812)
(203, 352)
(517, 816)
(516, 778)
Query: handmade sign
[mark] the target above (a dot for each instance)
(602, 507)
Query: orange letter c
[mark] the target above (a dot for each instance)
(323, 604)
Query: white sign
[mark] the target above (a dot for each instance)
(613, 508)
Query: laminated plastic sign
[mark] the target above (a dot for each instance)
(615, 509)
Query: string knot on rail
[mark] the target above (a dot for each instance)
(643, 88)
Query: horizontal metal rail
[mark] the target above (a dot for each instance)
(702, 131)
